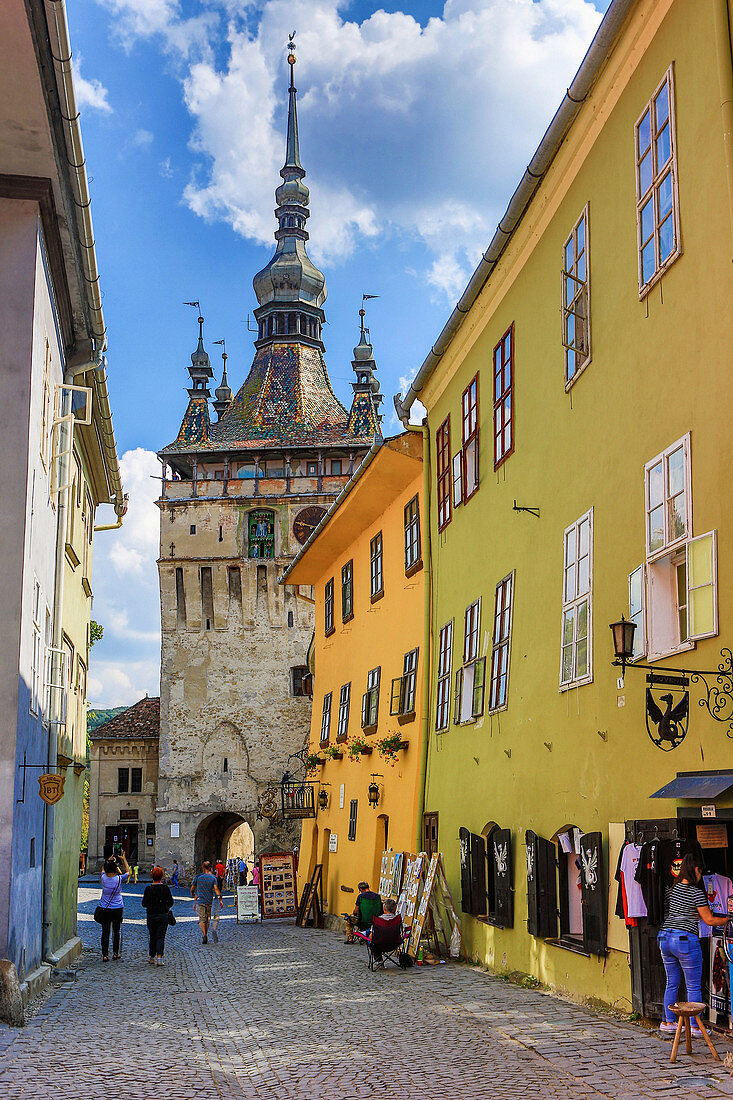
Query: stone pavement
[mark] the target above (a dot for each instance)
(280, 1013)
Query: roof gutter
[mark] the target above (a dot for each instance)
(355, 477)
(58, 31)
(565, 115)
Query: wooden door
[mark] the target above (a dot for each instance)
(430, 833)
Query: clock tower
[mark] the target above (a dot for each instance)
(240, 494)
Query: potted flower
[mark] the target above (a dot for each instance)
(333, 752)
(389, 746)
(358, 747)
(313, 761)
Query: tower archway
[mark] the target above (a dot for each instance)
(215, 834)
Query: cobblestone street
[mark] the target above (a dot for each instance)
(272, 1011)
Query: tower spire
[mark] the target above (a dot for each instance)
(200, 369)
(365, 417)
(222, 393)
(292, 144)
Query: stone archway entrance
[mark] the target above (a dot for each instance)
(220, 831)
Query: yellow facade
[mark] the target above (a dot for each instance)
(552, 755)
(384, 625)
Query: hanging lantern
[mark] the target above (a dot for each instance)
(623, 641)
(323, 799)
(373, 793)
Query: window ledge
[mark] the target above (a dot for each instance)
(576, 683)
(347, 618)
(644, 290)
(414, 568)
(330, 632)
(71, 556)
(490, 921)
(370, 729)
(684, 648)
(497, 710)
(377, 596)
(403, 719)
(571, 382)
(570, 945)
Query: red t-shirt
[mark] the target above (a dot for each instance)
(220, 869)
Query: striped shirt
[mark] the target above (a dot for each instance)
(683, 900)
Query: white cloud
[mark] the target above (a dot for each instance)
(407, 129)
(166, 169)
(143, 137)
(90, 93)
(126, 663)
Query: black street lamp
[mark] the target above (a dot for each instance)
(373, 793)
(623, 642)
(323, 799)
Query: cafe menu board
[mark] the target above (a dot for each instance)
(277, 885)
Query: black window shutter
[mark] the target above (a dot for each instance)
(503, 875)
(593, 893)
(478, 875)
(541, 887)
(464, 837)
(533, 904)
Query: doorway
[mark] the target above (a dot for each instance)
(430, 833)
(214, 834)
(122, 838)
(381, 845)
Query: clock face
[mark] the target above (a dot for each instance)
(306, 522)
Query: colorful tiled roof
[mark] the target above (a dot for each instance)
(142, 720)
(195, 427)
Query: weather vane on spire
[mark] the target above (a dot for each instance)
(291, 53)
(362, 311)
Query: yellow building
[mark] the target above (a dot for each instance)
(365, 561)
(581, 456)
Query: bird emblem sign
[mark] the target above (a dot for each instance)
(51, 788)
(667, 721)
(590, 867)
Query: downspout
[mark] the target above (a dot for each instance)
(724, 48)
(427, 647)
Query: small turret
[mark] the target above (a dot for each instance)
(200, 369)
(223, 393)
(365, 416)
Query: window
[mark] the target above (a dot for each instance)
(207, 597)
(328, 608)
(353, 807)
(504, 398)
(443, 473)
(657, 206)
(576, 665)
(45, 403)
(343, 721)
(180, 599)
(335, 465)
(469, 454)
(471, 677)
(576, 300)
(326, 717)
(192, 529)
(123, 780)
(376, 566)
(347, 592)
(457, 479)
(301, 681)
(312, 469)
(412, 534)
(262, 534)
(225, 764)
(673, 595)
(370, 701)
(445, 652)
(404, 688)
(136, 780)
(500, 645)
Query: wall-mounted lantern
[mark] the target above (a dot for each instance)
(323, 799)
(373, 792)
(623, 642)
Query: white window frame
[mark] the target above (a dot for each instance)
(326, 717)
(443, 689)
(576, 298)
(651, 193)
(501, 645)
(413, 542)
(342, 730)
(457, 479)
(663, 458)
(573, 604)
(470, 678)
(376, 564)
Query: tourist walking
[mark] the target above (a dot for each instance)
(203, 889)
(256, 875)
(174, 874)
(679, 940)
(219, 871)
(242, 872)
(111, 908)
(158, 905)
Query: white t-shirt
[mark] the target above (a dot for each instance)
(636, 906)
(718, 889)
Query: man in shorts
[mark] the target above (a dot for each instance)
(203, 889)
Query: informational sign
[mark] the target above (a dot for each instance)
(175, 828)
(333, 842)
(51, 787)
(248, 904)
(342, 795)
(712, 834)
(277, 885)
(709, 811)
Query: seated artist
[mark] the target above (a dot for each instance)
(368, 905)
(386, 931)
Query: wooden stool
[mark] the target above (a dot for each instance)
(684, 1010)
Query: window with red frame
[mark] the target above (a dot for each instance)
(469, 454)
(504, 398)
(442, 447)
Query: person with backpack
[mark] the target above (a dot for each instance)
(111, 908)
(158, 904)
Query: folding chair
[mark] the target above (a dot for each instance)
(393, 954)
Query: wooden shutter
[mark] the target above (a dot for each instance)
(541, 887)
(478, 875)
(479, 679)
(464, 837)
(365, 709)
(396, 696)
(593, 893)
(503, 875)
(457, 697)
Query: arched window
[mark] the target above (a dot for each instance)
(292, 323)
(566, 875)
(262, 534)
(487, 874)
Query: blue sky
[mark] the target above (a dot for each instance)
(416, 121)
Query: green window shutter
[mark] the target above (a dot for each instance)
(396, 696)
(479, 680)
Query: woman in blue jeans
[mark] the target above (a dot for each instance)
(679, 939)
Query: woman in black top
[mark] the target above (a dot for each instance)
(158, 902)
(679, 941)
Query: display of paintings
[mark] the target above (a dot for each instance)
(385, 881)
(397, 874)
(419, 922)
(412, 889)
(278, 885)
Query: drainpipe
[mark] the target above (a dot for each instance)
(427, 646)
(723, 27)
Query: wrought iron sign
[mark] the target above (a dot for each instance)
(667, 718)
(298, 799)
